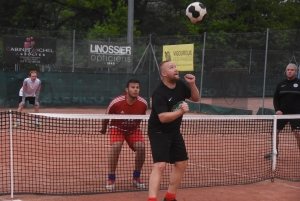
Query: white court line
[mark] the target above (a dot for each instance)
(203, 166)
(239, 137)
(261, 140)
(251, 139)
(292, 186)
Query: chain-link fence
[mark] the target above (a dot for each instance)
(234, 70)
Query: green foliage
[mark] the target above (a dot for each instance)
(162, 17)
(232, 64)
(115, 24)
(66, 14)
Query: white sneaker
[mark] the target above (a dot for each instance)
(137, 182)
(110, 184)
(38, 124)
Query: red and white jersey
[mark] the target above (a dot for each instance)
(119, 105)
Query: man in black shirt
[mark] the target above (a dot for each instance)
(287, 101)
(167, 144)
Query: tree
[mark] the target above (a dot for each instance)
(57, 14)
(115, 24)
(156, 17)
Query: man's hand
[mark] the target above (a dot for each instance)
(104, 126)
(103, 131)
(184, 107)
(189, 78)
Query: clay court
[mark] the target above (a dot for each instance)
(280, 190)
(263, 190)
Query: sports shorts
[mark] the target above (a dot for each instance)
(167, 147)
(30, 99)
(295, 123)
(131, 137)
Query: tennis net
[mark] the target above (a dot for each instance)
(67, 154)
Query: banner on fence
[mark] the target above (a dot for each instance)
(35, 50)
(109, 55)
(181, 55)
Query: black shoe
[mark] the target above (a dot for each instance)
(166, 199)
(269, 155)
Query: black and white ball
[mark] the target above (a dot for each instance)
(196, 12)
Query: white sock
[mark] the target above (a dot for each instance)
(36, 120)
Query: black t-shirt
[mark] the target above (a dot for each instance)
(163, 99)
(287, 96)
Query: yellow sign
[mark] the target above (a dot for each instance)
(181, 55)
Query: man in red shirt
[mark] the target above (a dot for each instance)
(126, 129)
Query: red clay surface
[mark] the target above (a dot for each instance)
(280, 190)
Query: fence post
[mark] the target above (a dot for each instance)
(265, 71)
(202, 70)
(149, 73)
(130, 19)
(250, 60)
(73, 51)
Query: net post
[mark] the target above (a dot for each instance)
(274, 139)
(11, 157)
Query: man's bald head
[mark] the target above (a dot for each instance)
(162, 66)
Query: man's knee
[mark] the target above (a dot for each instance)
(117, 145)
(115, 148)
(160, 166)
(139, 146)
(20, 108)
(181, 164)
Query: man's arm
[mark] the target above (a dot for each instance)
(138, 122)
(24, 91)
(195, 96)
(276, 100)
(104, 126)
(37, 93)
(110, 110)
(190, 79)
(167, 117)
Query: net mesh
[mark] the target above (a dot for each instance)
(67, 154)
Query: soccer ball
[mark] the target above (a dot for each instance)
(195, 12)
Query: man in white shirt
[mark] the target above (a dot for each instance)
(30, 91)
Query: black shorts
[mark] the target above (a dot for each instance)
(295, 123)
(167, 147)
(30, 99)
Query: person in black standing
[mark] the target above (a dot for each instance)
(167, 144)
(286, 100)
